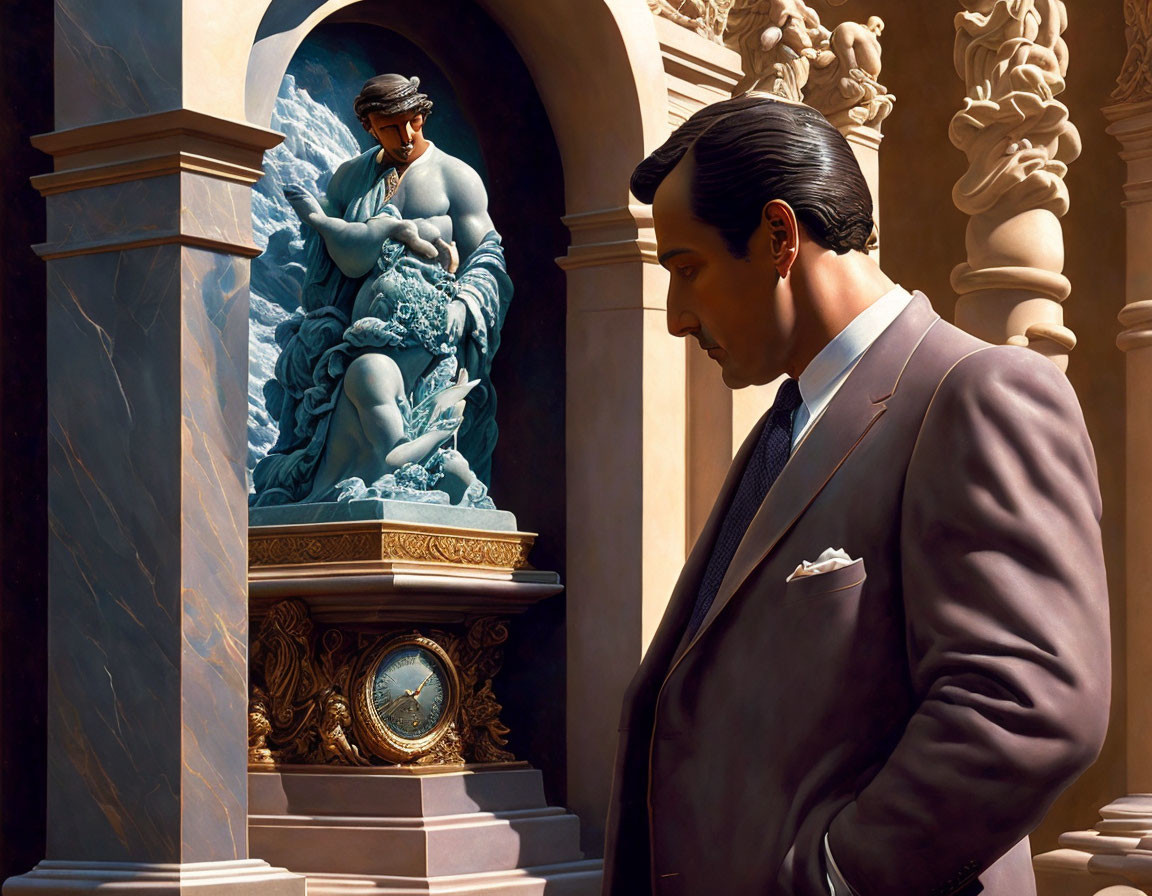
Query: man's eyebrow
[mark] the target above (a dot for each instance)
(672, 253)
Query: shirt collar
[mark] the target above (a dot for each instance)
(849, 344)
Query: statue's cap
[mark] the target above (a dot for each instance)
(391, 95)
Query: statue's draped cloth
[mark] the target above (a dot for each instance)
(320, 341)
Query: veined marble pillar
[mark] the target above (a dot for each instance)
(149, 231)
(1018, 140)
(1119, 849)
(626, 505)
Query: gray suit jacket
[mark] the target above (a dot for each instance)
(925, 705)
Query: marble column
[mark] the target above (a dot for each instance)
(1019, 142)
(1118, 850)
(148, 236)
(625, 397)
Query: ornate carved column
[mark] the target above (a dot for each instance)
(1018, 140)
(1119, 849)
(149, 231)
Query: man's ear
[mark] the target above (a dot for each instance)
(783, 233)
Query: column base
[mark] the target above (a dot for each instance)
(245, 877)
(1114, 858)
(389, 832)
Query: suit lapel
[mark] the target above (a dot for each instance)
(658, 658)
(855, 408)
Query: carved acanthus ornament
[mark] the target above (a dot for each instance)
(1019, 142)
(1135, 81)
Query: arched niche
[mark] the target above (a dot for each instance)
(596, 67)
(605, 490)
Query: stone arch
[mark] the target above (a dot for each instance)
(607, 107)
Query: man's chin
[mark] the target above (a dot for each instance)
(733, 380)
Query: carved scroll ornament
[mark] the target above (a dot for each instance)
(300, 709)
(1135, 81)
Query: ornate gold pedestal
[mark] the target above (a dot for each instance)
(327, 597)
(332, 796)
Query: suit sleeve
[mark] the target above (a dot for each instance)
(1006, 617)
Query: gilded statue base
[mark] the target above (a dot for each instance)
(332, 603)
(307, 688)
(329, 604)
(374, 572)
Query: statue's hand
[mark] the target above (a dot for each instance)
(457, 318)
(448, 257)
(305, 204)
(406, 232)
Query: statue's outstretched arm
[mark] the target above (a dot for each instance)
(354, 246)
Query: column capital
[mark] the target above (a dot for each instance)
(145, 146)
(177, 177)
(1136, 318)
(610, 236)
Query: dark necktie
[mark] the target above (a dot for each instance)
(767, 460)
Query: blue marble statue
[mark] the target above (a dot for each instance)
(382, 386)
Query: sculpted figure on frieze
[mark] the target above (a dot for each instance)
(382, 386)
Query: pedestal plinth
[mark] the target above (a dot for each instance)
(251, 877)
(387, 831)
(330, 798)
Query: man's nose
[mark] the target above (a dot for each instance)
(408, 132)
(681, 321)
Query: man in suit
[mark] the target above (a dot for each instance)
(894, 717)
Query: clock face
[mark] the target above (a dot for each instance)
(408, 691)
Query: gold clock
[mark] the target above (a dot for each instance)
(406, 697)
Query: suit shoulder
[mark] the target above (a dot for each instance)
(1001, 371)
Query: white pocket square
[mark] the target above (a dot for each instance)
(832, 558)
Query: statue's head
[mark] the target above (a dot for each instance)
(392, 109)
(747, 194)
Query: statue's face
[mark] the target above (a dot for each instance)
(734, 307)
(401, 136)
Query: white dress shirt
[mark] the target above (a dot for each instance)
(825, 373)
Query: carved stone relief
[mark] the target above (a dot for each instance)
(708, 18)
(1135, 81)
(1019, 141)
(787, 51)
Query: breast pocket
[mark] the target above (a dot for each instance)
(843, 580)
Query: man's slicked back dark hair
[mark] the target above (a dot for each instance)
(750, 150)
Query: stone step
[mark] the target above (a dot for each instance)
(580, 878)
(415, 847)
(379, 793)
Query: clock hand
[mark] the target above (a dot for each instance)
(416, 693)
